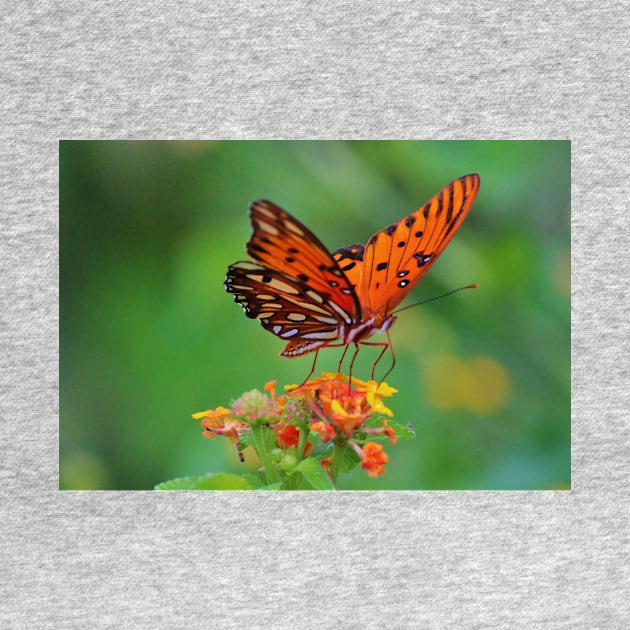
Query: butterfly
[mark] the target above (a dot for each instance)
(311, 298)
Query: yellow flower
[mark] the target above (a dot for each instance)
(374, 393)
(218, 413)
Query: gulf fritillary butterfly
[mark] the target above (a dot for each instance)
(304, 294)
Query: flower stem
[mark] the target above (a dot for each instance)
(337, 458)
(304, 433)
(260, 445)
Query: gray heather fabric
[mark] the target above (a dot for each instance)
(305, 70)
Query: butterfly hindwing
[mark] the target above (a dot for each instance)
(285, 306)
(398, 257)
(280, 242)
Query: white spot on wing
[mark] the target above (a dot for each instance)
(307, 305)
(276, 329)
(282, 286)
(325, 320)
(266, 227)
(296, 317)
(290, 333)
(262, 209)
(248, 266)
(341, 312)
(331, 334)
(294, 228)
(315, 296)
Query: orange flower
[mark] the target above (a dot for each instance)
(219, 421)
(326, 431)
(289, 435)
(270, 388)
(345, 408)
(348, 414)
(374, 459)
(212, 414)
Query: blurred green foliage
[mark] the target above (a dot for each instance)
(149, 336)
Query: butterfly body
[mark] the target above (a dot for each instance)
(311, 298)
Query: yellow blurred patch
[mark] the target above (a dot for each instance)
(83, 471)
(480, 384)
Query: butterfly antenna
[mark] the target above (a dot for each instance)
(436, 297)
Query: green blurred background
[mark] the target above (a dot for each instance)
(149, 335)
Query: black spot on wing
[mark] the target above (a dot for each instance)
(449, 211)
(258, 248)
(422, 259)
(353, 252)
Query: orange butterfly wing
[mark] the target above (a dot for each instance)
(297, 290)
(284, 306)
(398, 257)
(281, 242)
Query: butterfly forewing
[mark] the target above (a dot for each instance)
(280, 242)
(398, 257)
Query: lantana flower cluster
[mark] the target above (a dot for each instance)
(329, 409)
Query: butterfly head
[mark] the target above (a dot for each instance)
(375, 323)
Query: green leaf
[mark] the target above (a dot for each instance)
(350, 460)
(401, 431)
(216, 481)
(321, 450)
(253, 480)
(314, 474)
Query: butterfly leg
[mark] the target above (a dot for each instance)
(343, 355)
(312, 367)
(384, 345)
(354, 356)
(391, 367)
